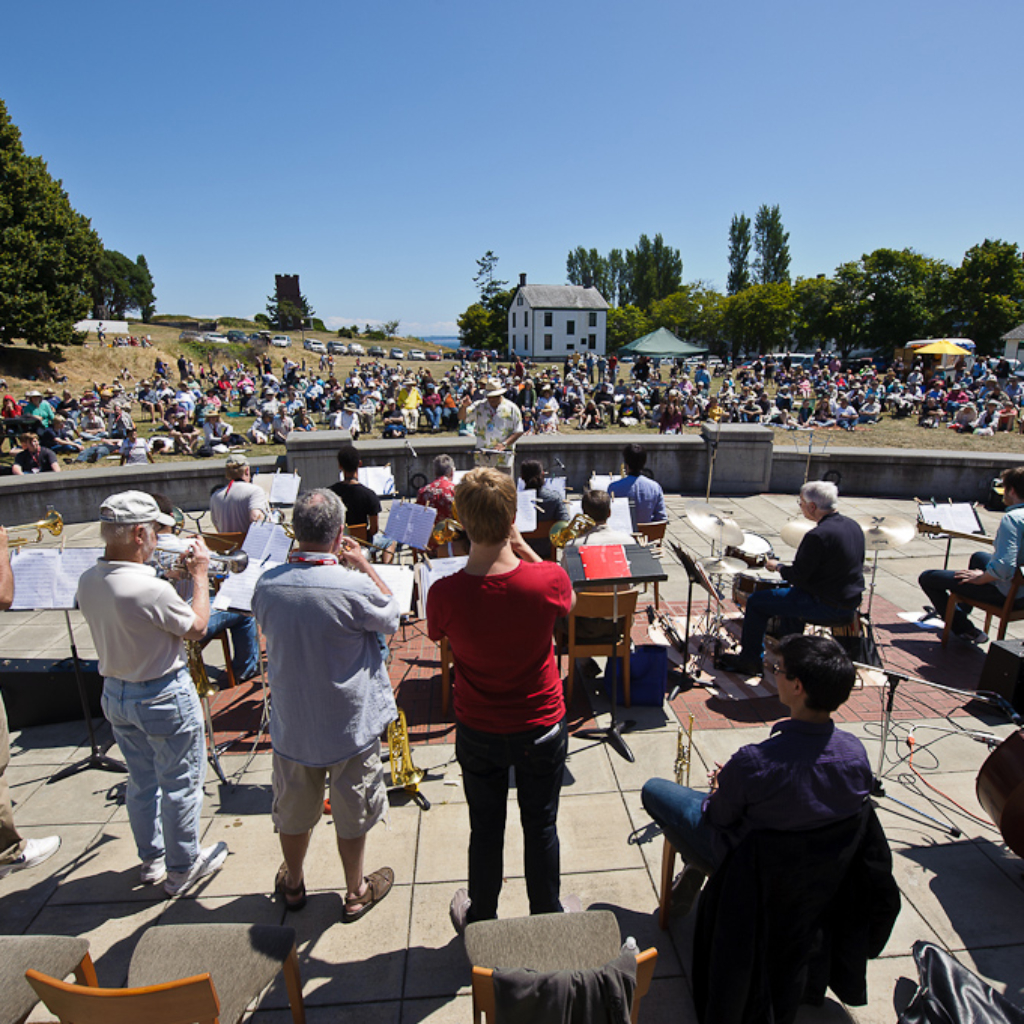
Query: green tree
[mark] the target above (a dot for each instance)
(760, 318)
(812, 304)
(589, 269)
(626, 324)
(145, 298)
(46, 249)
(654, 270)
(484, 279)
(475, 327)
(986, 294)
(694, 313)
(739, 254)
(771, 242)
(390, 328)
(616, 295)
(289, 316)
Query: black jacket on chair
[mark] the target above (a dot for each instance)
(789, 913)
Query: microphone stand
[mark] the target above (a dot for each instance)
(893, 679)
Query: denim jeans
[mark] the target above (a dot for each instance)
(795, 607)
(159, 727)
(938, 584)
(677, 809)
(433, 416)
(245, 657)
(538, 757)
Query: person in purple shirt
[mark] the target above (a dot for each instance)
(806, 774)
(645, 492)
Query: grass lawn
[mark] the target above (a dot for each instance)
(20, 366)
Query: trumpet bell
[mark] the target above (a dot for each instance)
(52, 522)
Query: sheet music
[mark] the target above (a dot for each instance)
(460, 476)
(558, 483)
(961, 518)
(35, 578)
(284, 488)
(379, 479)
(619, 519)
(600, 482)
(409, 523)
(236, 591)
(433, 569)
(399, 580)
(267, 542)
(526, 511)
(73, 562)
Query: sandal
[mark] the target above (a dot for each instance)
(294, 899)
(378, 885)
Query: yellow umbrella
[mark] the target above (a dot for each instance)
(941, 348)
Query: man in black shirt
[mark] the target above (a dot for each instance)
(34, 458)
(823, 585)
(362, 506)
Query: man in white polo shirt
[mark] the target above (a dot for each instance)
(138, 623)
(240, 503)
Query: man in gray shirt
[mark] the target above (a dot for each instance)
(240, 503)
(331, 696)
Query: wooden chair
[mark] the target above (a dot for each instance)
(58, 954)
(1006, 611)
(548, 943)
(668, 872)
(225, 641)
(178, 973)
(653, 534)
(593, 605)
(222, 543)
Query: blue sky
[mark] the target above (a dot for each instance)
(378, 149)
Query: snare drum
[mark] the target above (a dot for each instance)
(754, 550)
(746, 583)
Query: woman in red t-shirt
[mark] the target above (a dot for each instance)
(498, 614)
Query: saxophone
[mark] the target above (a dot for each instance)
(562, 532)
(197, 669)
(684, 754)
(404, 773)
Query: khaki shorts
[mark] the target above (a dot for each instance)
(358, 795)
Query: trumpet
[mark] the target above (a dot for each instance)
(564, 532)
(446, 530)
(403, 772)
(52, 522)
(171, 551)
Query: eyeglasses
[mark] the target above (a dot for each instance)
(778, 669)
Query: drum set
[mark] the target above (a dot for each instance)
(741, 556)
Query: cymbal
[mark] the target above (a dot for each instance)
(885, 532)
(709, 521)
(792, 533)
(722, 566)
(755, 544)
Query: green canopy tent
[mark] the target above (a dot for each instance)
(662, 342)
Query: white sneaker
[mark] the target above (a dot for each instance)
(209, 860)
(35, 852)
(153, 871)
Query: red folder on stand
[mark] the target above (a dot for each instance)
(604, 562)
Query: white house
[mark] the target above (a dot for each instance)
(552, 321)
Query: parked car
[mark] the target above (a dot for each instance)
(190, 336)
(258, 336)
(281, 341)
(396, 353)
(355, 349)
(337, 348)
(434, 357)
(415, 353)
(375, 350)
(213, 338)
(312, 345)
(237, 337)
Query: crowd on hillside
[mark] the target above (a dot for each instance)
(190, 407)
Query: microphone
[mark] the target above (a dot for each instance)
(412, 451)
(559, 463)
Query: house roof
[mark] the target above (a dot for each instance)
(1017, 334)
(562, 296)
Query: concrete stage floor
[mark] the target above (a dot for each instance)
(403, 963)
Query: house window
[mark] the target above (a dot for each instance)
(593, 319)
(569, 345)
(519, 301)
(526, 318)
(547, 319)
(593, 341)
(548, 342)
(570, 326)
(513, 319)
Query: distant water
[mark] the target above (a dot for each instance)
(443, 340)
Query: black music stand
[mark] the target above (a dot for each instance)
(643, 568)
(694, 574)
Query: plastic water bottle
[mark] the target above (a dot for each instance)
(630, 946)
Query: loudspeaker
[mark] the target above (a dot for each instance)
(1002, 670)
(39, 691)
